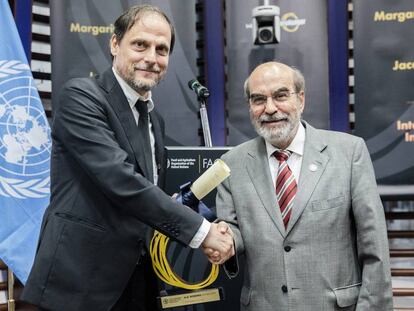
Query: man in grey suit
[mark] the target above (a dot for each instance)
(310, 223)
(105, 167)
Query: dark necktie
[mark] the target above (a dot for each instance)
(143, 129)
(285, 185)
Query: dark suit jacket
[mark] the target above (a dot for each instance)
(101, 204)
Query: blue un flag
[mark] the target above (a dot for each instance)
(25, 147)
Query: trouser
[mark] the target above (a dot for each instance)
(141, 291)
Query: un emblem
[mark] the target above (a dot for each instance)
(25, 142)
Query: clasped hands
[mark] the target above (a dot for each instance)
(218, 245)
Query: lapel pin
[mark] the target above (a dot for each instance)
(313, 167)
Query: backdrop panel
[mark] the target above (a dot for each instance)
(304, 44)
(384, 93)
(80, 35)
(80, 47)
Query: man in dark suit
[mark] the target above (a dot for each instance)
(91, 254)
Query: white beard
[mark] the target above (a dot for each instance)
(280, 136)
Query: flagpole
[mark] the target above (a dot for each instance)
(10, 300)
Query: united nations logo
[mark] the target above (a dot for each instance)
(25, 142)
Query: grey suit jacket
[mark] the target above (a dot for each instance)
(334, 253)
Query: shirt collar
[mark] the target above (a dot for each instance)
(296, 146)
(131, 95)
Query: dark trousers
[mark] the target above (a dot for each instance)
(141, 291)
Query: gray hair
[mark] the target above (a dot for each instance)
(298, 82)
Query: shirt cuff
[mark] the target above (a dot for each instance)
(200, 235)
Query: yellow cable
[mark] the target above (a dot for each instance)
(158, 252)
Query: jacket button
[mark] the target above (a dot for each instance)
(287, 248)
(284, 289)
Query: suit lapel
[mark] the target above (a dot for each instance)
(159, 146)
(257, 162)
(118, 101)
(313, 165)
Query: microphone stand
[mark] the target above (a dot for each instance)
(204, 122)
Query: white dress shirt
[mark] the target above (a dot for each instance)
(132, 97)
(294, 161)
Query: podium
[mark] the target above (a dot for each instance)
(186, 164)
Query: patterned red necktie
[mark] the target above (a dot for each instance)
(285, 185)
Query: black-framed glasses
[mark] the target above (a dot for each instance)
(278, 96)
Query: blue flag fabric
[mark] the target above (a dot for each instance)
(25, 147)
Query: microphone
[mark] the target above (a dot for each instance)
(200, 90)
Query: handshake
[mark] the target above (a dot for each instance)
(218, 245)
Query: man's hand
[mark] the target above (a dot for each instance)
(218, 245)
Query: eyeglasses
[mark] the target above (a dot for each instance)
(279, 96)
